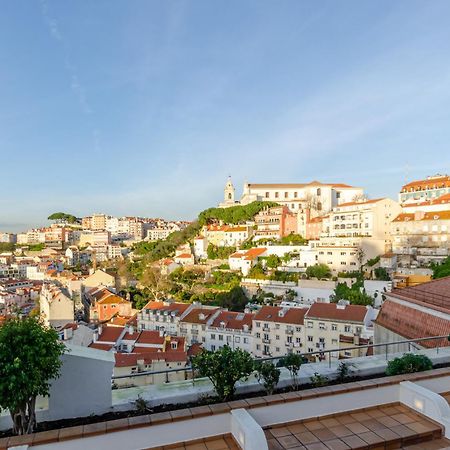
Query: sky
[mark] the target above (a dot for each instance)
(145, 107)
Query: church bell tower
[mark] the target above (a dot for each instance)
(229, 192)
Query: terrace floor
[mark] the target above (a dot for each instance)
(226, 442)
(383, 427)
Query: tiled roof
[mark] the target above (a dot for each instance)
(100, 346)
(412, 323)
(332, 311)
(184, 255)
(110, 334)
(227, 228)
(289, 315)
(131, 359)
(199, 315)
(195, 349)
(433, 183)
(434, 294)
(150, 337)
(431, 215)
(298, 185)
(366, 202)
(177, 308)
(233, 320)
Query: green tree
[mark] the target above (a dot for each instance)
(257, 271)
(268, 375)
(30, 357)
(224, 367)
(61, 217)
(215, 252)
(273, 261)
(441, 270)
(318, 271)
(292, 362)
(381, 274)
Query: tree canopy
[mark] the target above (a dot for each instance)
(63, 217)
(29, 359)
(441, 270)
(318, 271)
(234, 214)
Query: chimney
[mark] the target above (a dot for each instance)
(100, 329)
(161, 332)
(201, 316)
(130, 329)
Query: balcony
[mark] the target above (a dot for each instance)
(266, 341)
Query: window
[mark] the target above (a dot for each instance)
(295, 194)
(277, 337)
(258, 335)
(310, 338)
(334, 341)
(266, 337)
(277, 326)
(286, 195)
(298, 329)
(276, 194)
(347, 328)
(245, 340)
(289, 339)
(322, 326)
(258, 324)
(267, 195)
(213, 337)
(310, 350)
(297, 340)
(334, 327)
(277, 349)
(213, 348)
(310, 325)
(258, 347)
(220, 337)
(319, 191)
(237, 339)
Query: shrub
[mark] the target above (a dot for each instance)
(409, 363)
(224, 367)
(141, 405)
(342, 372)
(268, 375)
(318, 380)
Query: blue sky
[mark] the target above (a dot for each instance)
(145, 107)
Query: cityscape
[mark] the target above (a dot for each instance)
(268, 307)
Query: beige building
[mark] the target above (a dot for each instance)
(56, 307)
(227, 235)
(193, 324)
(425, 234)
(277, 331)
(424, 190)
(326, 323)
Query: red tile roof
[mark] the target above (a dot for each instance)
(131, 359)
(432, 183)
(272, 314)
(177, 308)
(332, 311)
(110, 334)
(233, 320)
(100, 346)
(433, 294)
(412, 323)
(366, 202)
(199, 315)
(150, 337)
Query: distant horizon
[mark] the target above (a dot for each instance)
(20, 227)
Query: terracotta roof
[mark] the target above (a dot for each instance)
(226, 228)
(249, 254)
(184, 255)
(195, 349)
(131, 359)
(434, 294)
(150, 337)
(431, 215)
(177, 308)
(366, 202)
(110, 334)
(272, 314)
(412, 323)
(443, 199)
(199, 315)
(433, 183)
(233, 320)
(332, 311)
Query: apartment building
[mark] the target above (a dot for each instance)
(424, 190)
(227, 235)
(370, 218)
(230, 328)
(441, 203)
(326, 323)
(56, 307)
(277, 331)
(8, 238)
(192, 325)
(317, 196)
(275, 223)
(163, 315)
(427, 233)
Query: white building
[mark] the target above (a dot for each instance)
(193, 324)
(56, 308)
